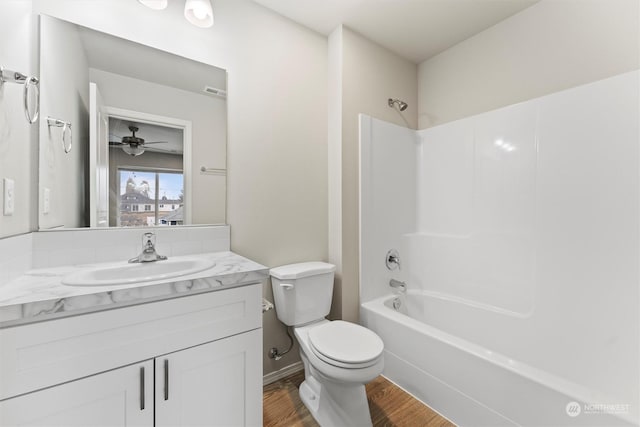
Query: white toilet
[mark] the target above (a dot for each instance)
(339, 357)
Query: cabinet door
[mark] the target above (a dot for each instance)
(214, 384)
(122, 397)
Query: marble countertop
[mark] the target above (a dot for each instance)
(40, 295)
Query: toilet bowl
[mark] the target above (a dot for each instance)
(339, 357)
(329, 355)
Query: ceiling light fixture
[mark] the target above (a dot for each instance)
(155, 4)
(133, 150)
(199, 13)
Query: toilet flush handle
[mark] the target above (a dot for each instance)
(286, 286)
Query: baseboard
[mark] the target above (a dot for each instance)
(281, 373)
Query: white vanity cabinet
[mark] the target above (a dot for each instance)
(194, 360)
(113, 398)
(213, 384)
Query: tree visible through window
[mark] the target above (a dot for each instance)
(150, 197)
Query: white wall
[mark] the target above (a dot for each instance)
(334, 151)
(18, 155)
(550, 46)
(208, 116)
(368, 75)
(64, 75)
(277, 107)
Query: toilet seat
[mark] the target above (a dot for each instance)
(345, 345)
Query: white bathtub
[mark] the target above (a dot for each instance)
(432, 350)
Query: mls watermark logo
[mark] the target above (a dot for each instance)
(573, 409)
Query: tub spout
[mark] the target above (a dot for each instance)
(400, 286)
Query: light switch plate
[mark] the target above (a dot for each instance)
(9, 196)
(46, 201)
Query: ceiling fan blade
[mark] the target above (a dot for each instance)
(156, 142)
(115, 143)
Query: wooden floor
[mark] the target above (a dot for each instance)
(389, 406)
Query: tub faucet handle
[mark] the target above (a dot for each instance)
(392, 259)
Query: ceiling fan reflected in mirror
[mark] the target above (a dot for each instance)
(133, 145)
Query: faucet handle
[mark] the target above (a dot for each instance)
(392, 259)
(148, 253)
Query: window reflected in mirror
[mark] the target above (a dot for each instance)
(150, 198)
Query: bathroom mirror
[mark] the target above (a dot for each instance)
(148, 129)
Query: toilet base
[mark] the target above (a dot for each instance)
(333, 404)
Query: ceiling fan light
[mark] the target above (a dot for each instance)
(133, 150)
(199, 13)
(155, 4)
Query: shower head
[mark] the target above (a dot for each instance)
(401, 104)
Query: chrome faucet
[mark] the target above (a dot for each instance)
(400, 286)
(148, 253)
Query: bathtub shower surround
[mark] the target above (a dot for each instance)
(518, 230)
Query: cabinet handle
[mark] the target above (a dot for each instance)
(142, 393)
(166, 379)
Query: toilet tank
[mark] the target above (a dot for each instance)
(302, 292)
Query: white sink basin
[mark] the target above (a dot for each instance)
(138, 272)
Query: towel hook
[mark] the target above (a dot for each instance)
(66, 132)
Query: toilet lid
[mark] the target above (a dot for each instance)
(343, 343)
